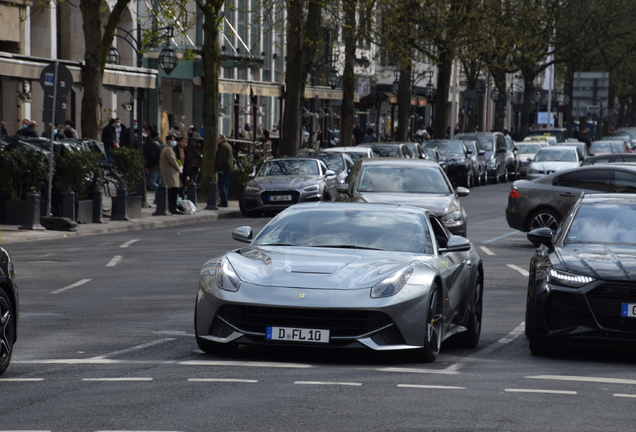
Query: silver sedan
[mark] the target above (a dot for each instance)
(346, 275)
(283, 182)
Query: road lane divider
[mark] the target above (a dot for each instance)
(135, 348)
(113, 262)
(487, 251)
(327, 383)
(540, 391)
(230, 380)
(244, 363)
(425, 386)
(584, 379)
(118, 379)
(21, 379)
(519, 269)
(128, 243)
(75, 285)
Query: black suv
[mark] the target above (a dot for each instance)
(494, 144)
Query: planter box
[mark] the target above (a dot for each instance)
(15, 210)
(84, 211)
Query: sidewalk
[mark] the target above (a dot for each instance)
(13, 234)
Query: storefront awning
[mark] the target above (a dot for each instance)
(30, 68)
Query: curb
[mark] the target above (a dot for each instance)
(15, 235)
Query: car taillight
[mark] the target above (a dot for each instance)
(514, 193)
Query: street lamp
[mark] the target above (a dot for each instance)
(396, 82)
(494, 94)
(113, 56)
(430, 90)
(334, 77)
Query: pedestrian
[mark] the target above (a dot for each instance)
(586, 138)
(30, 131)
(4, 129)
(181, 153)
(267, 145)
(170, 173)
(224, 165)
(358, 134)
(69, 130)
(109, 138)
(370, 136)
(152, 156)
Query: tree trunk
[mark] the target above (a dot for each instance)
(404, 104)
(302, 33)
(211, 59)
(528, 90)
(96, 50)
(443, 85)
(348, 78)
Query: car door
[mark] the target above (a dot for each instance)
(567, 187)
(624, 182)
(455, 273)
(331, 181)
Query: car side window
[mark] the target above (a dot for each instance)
(441, 234)
(597, 180)
(624, 182)
(565, 180)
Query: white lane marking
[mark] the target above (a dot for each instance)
(76, 284)
(494, 239)
(174, 333)
(541, 391)
(519, 269)
(222, 380)
(128, 243)
(117, 379)
(243, 363)
(431, 387)
(448, 371)
(21, 379)
(503, 341)
(93, 361)
(583, 379)
(135, 348)
(114, 261)
(625, 395)
(488, 251)
(326, 383)
(120, 431)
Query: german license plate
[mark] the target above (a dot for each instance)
(297, 334)
(280, 198)
(628, 310)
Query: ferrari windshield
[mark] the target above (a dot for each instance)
(603, 223)
(403, 179)
(348, 228)
(289, 167)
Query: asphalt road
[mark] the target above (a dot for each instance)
(106, 344)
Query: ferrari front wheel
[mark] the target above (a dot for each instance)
(433, 328)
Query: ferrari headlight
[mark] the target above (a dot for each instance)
(226, 277)
(452, 218)
(566, 279)
(392, 284)
(312, 188)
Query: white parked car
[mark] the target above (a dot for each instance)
(549, 160)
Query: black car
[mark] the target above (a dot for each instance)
(398, 150)
(581, 281)
(513, 163)
(477, 163)
(435, 155)
(458, 166)
(417, 149)
(610, 158)
(9, 307)
(494, 144)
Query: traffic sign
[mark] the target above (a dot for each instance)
(593, 108)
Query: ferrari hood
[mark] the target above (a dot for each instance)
(440, 204)
(285, 182)
(606, 262)
(318, 268)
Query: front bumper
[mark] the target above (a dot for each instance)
(263, 200)
(354, 319)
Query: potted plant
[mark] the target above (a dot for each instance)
(76, 171)
(22, 169)
(243, 172)
(128, 170)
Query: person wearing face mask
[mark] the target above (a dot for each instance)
(69, 130)
(170, 173)
(152, 153)
(28, 131)
(181, 152)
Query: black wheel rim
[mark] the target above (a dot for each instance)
(6, 330)
(434, 324)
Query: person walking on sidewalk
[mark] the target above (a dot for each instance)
(170, 172)
(152, 155)
(183, 159)
(224, 165)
